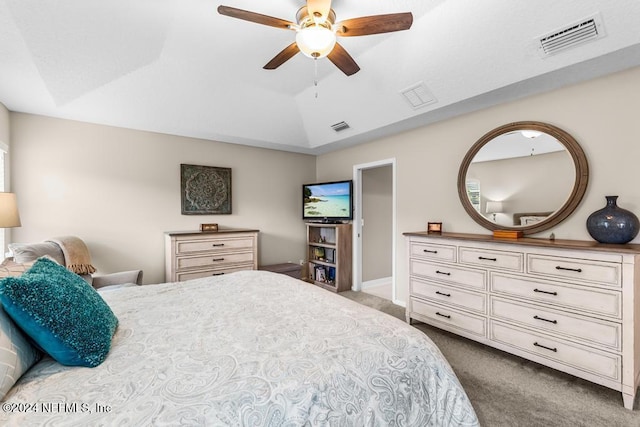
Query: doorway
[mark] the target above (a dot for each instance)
(374, 228)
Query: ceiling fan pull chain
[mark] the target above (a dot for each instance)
(315, 75)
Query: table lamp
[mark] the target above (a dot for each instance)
(9, 216)
(494, 207)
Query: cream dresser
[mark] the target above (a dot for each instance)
(567, 304)
(194, 254)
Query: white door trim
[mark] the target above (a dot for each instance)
(357, 221)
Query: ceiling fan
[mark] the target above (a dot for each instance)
(316, 31)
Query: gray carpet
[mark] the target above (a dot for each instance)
(509, 391)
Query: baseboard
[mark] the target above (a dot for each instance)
(376, 282)
(400, 303)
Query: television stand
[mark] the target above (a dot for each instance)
(331, 221)
(329, 256)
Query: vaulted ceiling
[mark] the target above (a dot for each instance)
(178, 67)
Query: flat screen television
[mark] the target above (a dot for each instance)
(328, 201)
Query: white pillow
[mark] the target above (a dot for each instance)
(17, 354)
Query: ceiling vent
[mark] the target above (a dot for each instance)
(418, 95)
(573, 35)
(340, 126)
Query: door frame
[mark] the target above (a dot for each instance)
(358, 220)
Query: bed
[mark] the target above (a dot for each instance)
(251, 348)
(529, 218)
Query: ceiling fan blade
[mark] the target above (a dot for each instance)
(376, 24)
(343, 60)
(286, 54)
(255, 17)
(319, 8)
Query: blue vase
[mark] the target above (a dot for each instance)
(613, 224)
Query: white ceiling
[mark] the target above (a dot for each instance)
(178, 67)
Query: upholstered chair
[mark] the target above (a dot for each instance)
(71, 252)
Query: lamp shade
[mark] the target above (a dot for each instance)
(9, 216)
(494, 207)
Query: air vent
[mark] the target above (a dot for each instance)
(572, 35)
(418, 95)
(340, 126)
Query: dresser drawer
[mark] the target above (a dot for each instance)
(467, 277)
(504, 260)
(183, 263)
(188, 275)
(449, 295)
(602, 273)
(221, 244)
(576, 356)
(453, 318)
(433, 251)
(587, 329)
(593, 301)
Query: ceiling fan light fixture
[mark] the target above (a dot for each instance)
(530, 133)
(315, 41)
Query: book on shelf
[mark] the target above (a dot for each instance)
(331, 274)
(330, 255)
(320, 273)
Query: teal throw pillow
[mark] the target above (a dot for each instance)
(61, 313)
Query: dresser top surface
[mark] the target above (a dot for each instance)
(207, 233)
(531, 241)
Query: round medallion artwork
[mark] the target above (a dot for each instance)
(205, 190)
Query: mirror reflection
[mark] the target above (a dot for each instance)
(520, 178)
(526, 176)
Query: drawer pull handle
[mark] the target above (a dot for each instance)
(555, 350)
(545, 292)
(217, 244)
(217, 259)
(546, 320)
(442, 293)
(443, 315)
(429, 252)
(217, 274)
(443, 272)
(577, 270)
(487, 259)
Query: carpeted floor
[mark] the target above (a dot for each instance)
(509, 391)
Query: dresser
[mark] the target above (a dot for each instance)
(195, 254)
(570, 305)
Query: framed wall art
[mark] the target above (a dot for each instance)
(206, 190)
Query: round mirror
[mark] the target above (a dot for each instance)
(526, 176)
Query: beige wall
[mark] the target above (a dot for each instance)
(524, 184)
(119, 190)
(600, 114)
(377, 213)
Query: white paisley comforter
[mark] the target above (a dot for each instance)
(250, 348)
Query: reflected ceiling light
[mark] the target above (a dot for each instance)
(530, 133)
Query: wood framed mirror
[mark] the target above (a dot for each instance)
(526, 176)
